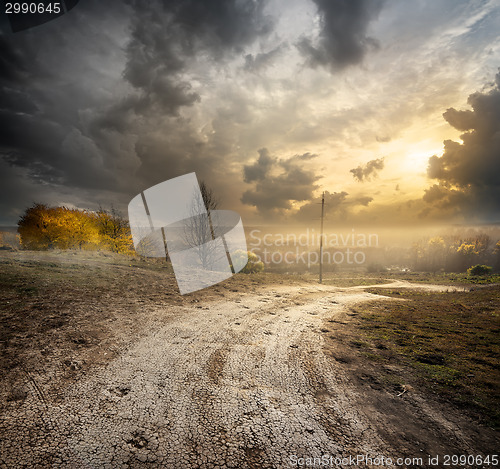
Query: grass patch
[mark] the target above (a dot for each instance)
(354, 279)
(445, 278)
(450, 342)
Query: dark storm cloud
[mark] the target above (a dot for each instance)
(468, 173)
(43, 89)
(342, 40)
(259, 170)
(15, 66)
(218, 25)
(257, 62)
(278, 182)
(166, 34)
(88, 99)
(167, 39)
(370, 169)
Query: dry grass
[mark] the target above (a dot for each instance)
(444, 278)
(449, 340)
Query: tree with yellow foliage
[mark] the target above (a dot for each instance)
(38, 228)
(114, 231)
(42, 227)
(472, 251)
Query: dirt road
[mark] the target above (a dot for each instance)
(247, 381)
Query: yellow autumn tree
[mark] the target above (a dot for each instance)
(42, 227)
(114, 231)
(472, 251)
(38, 228)
(78, 229)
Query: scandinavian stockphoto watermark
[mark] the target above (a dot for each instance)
(171, 219)
(291, 248)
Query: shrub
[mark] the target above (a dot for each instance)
(479, 270)
(253, 265)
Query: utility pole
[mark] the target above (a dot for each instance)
(321, 239)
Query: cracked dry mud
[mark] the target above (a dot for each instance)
(240, 382)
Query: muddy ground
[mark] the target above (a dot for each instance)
(104, 365)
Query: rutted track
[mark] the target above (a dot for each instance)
(243, 382)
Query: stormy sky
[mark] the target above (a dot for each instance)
(390, 107)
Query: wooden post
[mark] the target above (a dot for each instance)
(321, 239)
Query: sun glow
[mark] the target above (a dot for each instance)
(418, 160)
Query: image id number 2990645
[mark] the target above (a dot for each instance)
(33, 8)
(470, 460)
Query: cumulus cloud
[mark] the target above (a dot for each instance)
(338, 206)
(369, 170)
(259, 170)
(343, 37)
(468, 173)
(278, 182)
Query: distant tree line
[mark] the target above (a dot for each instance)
(455, 253)
(9, 240)
(43, 227)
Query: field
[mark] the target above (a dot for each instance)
(104, 364)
